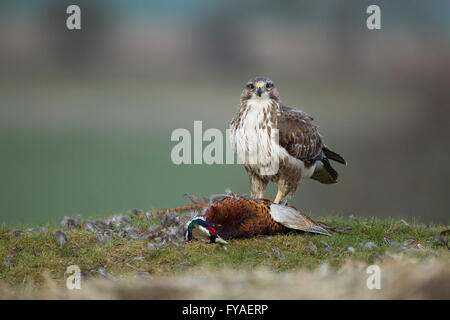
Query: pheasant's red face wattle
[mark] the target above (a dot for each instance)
(212, 231)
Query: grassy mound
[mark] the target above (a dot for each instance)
(30, 257)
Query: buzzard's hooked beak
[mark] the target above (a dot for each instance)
(260, 91)
(259, 88)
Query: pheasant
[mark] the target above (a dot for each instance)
(234, 216)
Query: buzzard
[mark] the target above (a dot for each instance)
(278, 143)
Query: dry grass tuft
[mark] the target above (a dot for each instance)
(401, 278)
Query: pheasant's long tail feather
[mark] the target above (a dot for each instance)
(194, 199)
(195, 206)
(335, 229)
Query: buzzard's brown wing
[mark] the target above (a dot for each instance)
(298, 135)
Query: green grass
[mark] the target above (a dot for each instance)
(37, 256)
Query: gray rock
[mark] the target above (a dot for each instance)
(18, 233)
(351, 250)
(312, 247)
(61, 238)
(33, 230)
(420, 247)
(176, 244)
(107, 275)
(136, 211)
(376, 256)
(103, 239)
(409, 242)
(69, 223)
(154, 229)
(139, 258)
(279, 254)
(37, 230)
(335, 254)
(401, 249)
(90, 226)
(152, 246)
(170, 219)
(172, 231)
(370, 245)
(390, 242)
(117, 222)
(133, 233)
(144, 275)
(328, 246)
(148, 215)
(9, 262)
(101, 225)
(125, 219)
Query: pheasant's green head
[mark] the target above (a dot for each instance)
(200, 229)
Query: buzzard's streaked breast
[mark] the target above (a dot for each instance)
(254, 136)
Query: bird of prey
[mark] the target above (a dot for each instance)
(278, 143)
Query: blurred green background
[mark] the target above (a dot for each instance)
(86, 116)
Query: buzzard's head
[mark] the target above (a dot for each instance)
(260, 88)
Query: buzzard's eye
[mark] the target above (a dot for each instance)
(250, 86)
(269, 85)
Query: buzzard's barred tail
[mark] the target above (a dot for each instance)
(324, 172)
(330, 154)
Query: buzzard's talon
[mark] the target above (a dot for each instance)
(278, 197)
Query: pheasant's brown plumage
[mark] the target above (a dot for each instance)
(238, 217)
(235, 216)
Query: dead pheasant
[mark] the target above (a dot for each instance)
(238, 217)
(233, 216)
